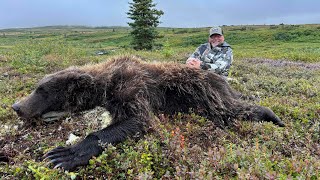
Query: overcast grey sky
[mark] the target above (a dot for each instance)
(177, 13)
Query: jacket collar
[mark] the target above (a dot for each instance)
(224, 44)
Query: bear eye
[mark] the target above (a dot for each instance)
(41, 90)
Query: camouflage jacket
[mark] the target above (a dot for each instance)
(217, 59)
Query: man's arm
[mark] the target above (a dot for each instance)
(198, 52)
(194, 59)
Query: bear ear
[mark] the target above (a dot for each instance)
(84, 80)
(79, 81)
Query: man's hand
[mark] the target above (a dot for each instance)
(193, 63)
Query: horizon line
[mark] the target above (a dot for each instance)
(119, 26)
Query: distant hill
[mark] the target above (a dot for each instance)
(61, 27)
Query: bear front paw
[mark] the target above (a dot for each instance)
(71, 157)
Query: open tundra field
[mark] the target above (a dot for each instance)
(276, 66)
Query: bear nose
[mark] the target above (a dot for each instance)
(16, 107)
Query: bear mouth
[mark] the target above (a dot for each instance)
(53, 116)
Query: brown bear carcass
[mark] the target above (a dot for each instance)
(132, 90)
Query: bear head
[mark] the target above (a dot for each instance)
(55, 95)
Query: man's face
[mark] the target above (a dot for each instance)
(216, 38)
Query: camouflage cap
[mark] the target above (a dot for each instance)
(215, 30)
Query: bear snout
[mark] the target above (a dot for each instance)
(16, 108)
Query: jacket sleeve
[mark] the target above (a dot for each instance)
(198, 52)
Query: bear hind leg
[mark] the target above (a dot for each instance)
(260, 113)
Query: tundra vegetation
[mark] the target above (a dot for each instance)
(277, 66)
